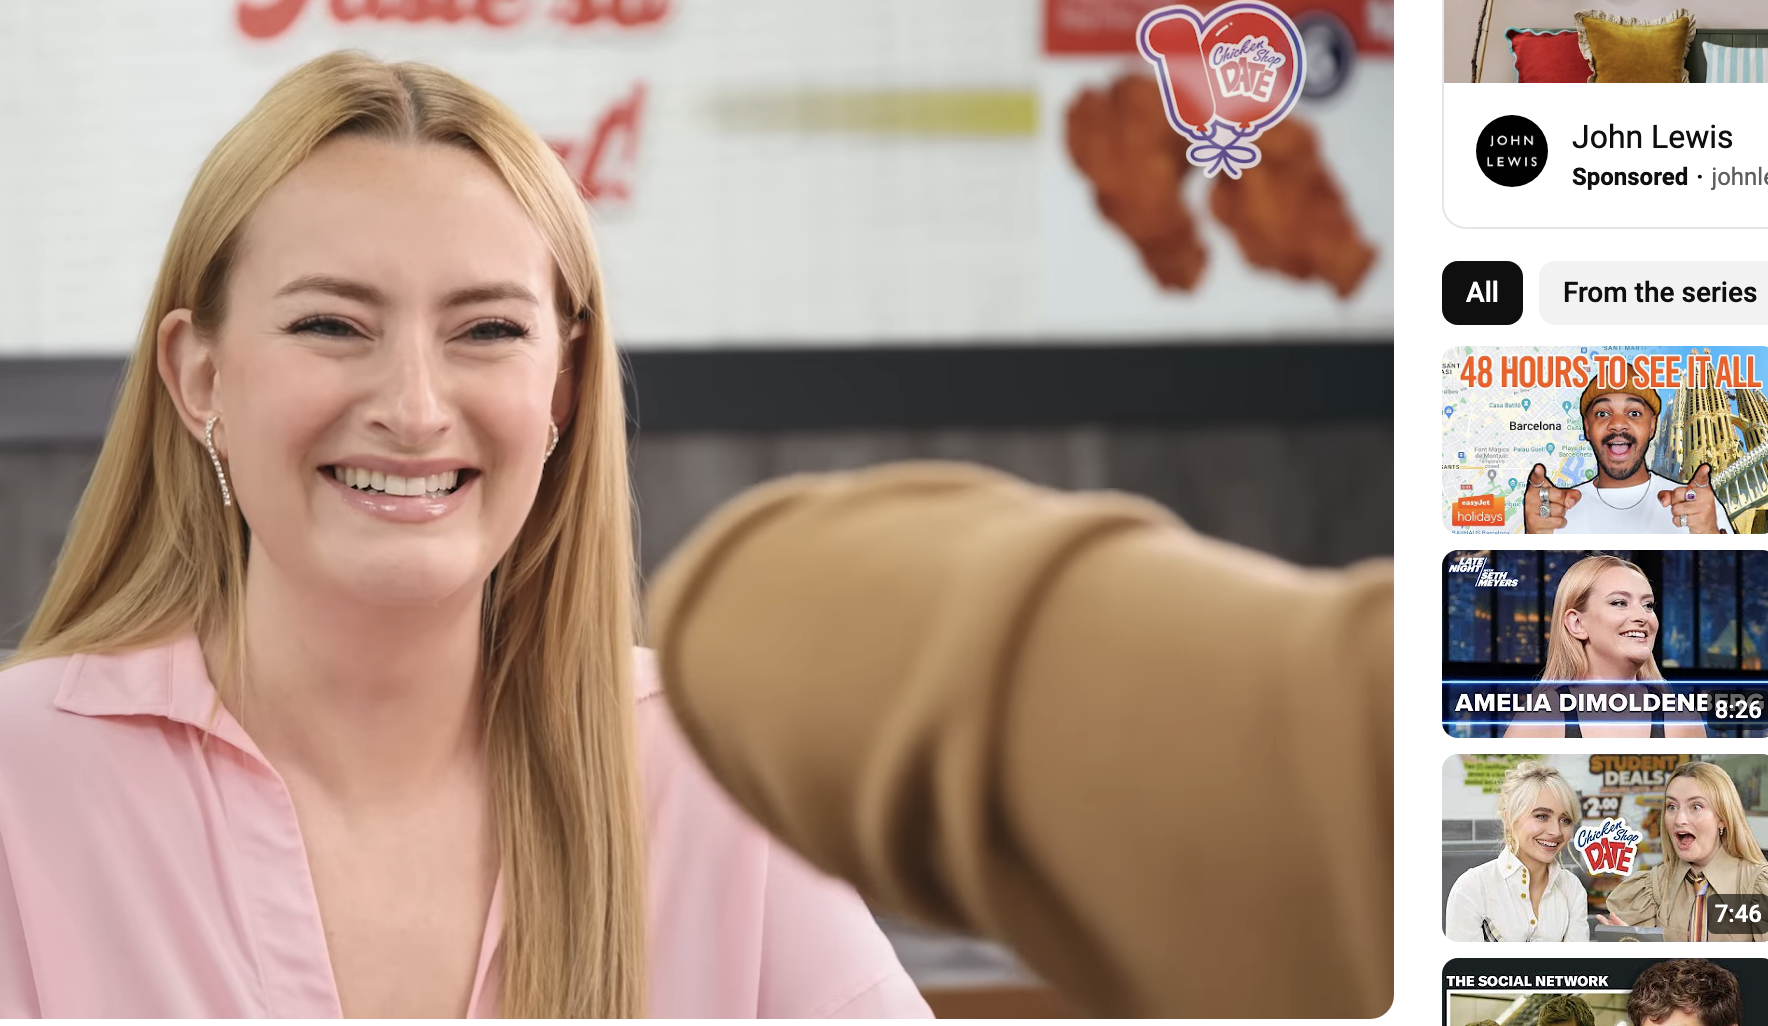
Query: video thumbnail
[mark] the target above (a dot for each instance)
(1609, 847)
(1609, 644)
(1605, 992)
(1623, 440)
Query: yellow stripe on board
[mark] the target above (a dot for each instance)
(883, 112)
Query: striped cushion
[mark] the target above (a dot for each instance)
(1735, 63)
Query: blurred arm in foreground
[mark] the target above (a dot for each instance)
(1159, 766)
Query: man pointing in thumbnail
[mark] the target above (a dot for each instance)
(1625, 496)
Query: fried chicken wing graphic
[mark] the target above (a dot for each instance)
(1288, 214)
(1649, 826)
(1120, 140)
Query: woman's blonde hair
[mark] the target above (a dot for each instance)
(1738, 838)
(1521, 791)
(152, 553)
(1566, 658)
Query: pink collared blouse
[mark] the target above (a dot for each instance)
(144, 873)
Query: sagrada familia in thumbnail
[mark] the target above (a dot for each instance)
(1700, 426)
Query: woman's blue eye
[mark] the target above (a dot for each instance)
(330, 327)
(491, 331)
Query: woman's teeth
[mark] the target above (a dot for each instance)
(1633, 634)
(392, 484)
(1550, 845)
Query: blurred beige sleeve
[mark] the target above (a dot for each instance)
(1157, 765)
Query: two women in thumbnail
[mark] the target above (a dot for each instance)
(1531, 892)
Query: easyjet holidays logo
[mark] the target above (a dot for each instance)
(1226, 77)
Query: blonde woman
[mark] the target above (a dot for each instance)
(332, 705)
(1599, 654)
(1709, 849)
(1526, 893)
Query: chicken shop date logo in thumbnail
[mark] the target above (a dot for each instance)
(1609, 849)
(1225, 77)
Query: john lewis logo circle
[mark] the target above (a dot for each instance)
(1512, 151)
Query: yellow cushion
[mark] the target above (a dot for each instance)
(1630, 50)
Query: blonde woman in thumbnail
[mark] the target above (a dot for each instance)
(1599, 649)
(1709, 849)
(1526, 893)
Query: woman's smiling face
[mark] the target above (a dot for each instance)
(386, 371)
(1619, 622)
(1543, 828)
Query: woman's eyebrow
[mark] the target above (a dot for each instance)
(369, 294)
(334, 286)
(489, 293)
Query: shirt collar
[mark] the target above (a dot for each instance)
(172, 681)
(1723, 863)
(169, 680)
(1509, 865)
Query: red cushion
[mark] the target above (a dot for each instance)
(1548, 56)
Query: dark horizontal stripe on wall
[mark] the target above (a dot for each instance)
(51, 401)
(1030, 386)
(69, 400)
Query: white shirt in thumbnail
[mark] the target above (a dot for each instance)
(1633, 510)
(1497, 894)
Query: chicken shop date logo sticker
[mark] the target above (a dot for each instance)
(1225, 77)
(1609, 849)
